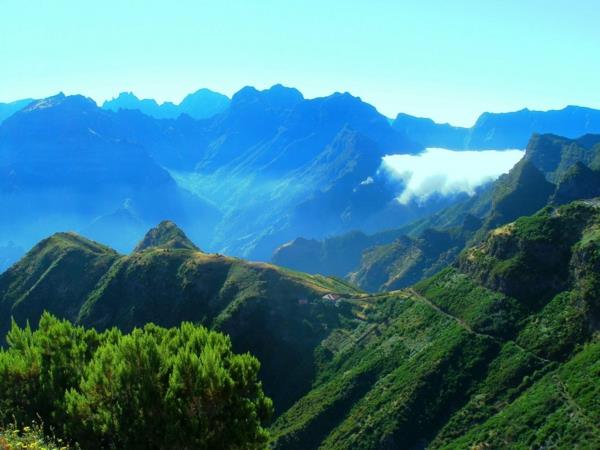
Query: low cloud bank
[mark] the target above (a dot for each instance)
(447, 172)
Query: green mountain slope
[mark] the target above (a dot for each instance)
(499, 351)
(56, 275)
(165, 235)
(555, 171)
(336, 255)
(277, 314)
(408, 259)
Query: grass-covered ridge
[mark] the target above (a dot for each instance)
(277, 314)
(472, 357)
(484, 354)
(554, 171)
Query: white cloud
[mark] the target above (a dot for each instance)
(447, 172)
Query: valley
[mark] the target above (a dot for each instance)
(310, 225)
(448, 326)
(455, 353)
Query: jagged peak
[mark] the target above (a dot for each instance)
(60, 100)
(165, 235)
(278, 96)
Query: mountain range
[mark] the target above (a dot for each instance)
(64, 165)
(498, 350)
(247, 156)
(8, 109)
(201, 104)
(482, 326)
(167, 280)
(111, 172)
(554, 171)
(501, 130)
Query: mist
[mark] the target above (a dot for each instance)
(438, 171)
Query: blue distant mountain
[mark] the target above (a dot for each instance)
(278, 166)
(501, 130)
(67, 164)
(8, 109)
(202, 104)
(64, 163)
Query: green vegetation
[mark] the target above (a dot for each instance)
(165, 235)
(485, 311)
(499, 350)
(562, 410)
(555, 155)
(470, 357)
(64, 263)
(153, 388)
(522, 191)
(31, 437)
(554, 171)
(408, 260)
(378, 380)
(276, 314)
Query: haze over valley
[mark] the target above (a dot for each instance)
(212, 175)
(299, 225)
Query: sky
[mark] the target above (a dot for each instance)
(448, 60)
(447, 172)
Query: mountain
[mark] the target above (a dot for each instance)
(255, 152)
(337, 255)
(409, 254)
(524, 190)
(201, 104)
(579, 181)
(407, 260)
(277, 314)
(8, 109)
(501, 130)
(64, 164)
(498, 351)
(513, 130)
(251, 154)
(431, 134)
(314, 162)
(165, 235)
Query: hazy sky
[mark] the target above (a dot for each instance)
(449, 60)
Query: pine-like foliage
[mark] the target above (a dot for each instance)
(154, 388)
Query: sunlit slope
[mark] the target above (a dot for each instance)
(277, 314)
(499, 351)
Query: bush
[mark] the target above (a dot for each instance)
(153, 388)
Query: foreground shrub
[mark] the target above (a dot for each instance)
(154, 388)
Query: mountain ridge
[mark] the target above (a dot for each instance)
(201, 104)
(506, 130)
(440, 364)
(549, 172)
(93, 285)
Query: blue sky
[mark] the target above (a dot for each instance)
(449, 60)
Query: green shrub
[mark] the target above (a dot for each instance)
(153, 388)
